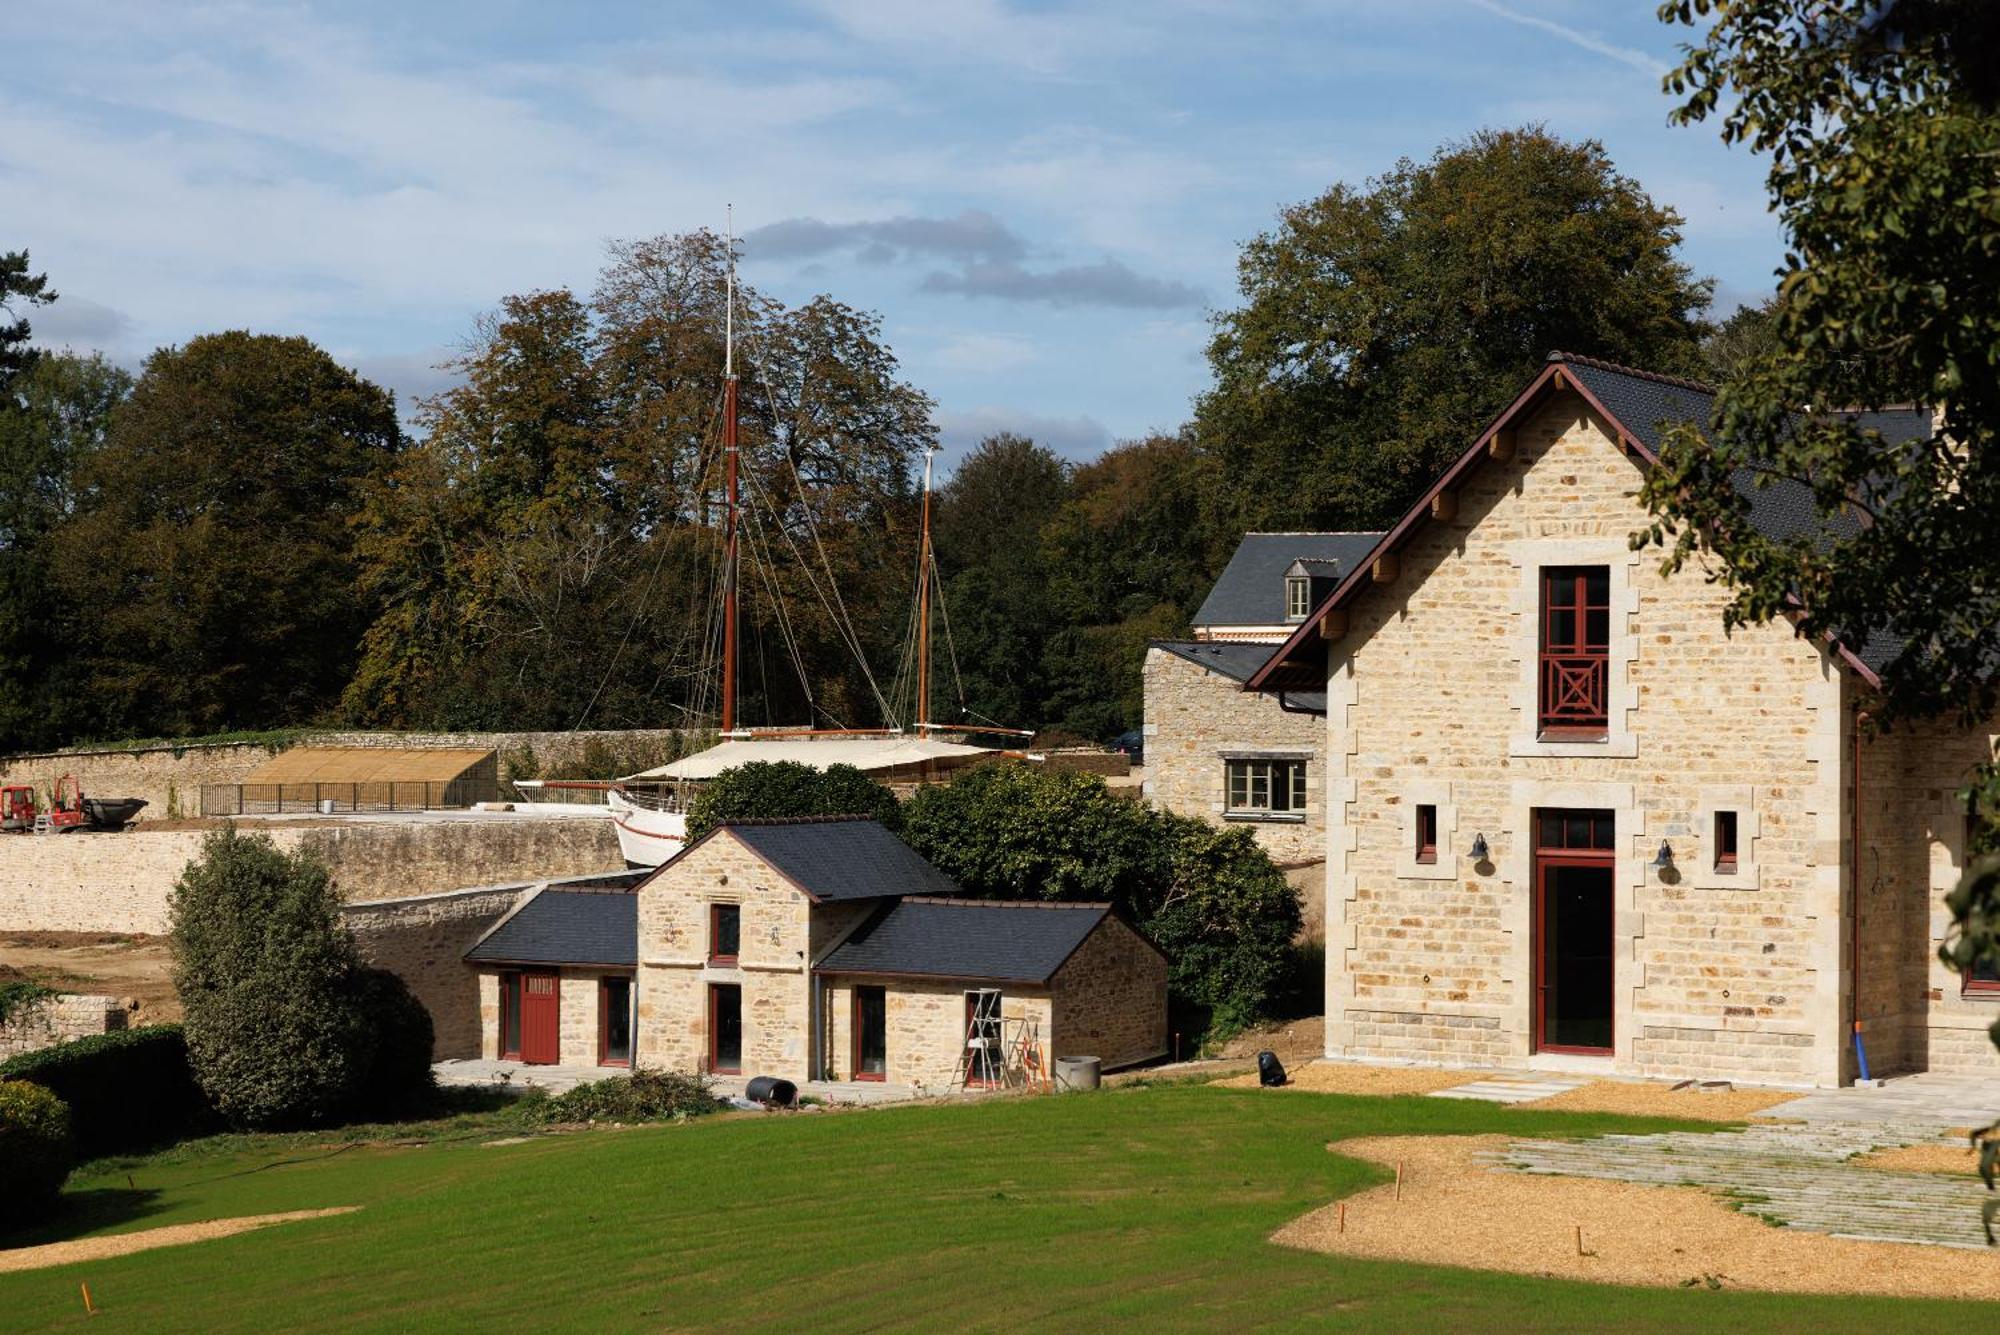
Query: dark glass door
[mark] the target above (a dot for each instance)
(614, 1005)
(1573, 965)
(871, 1033)
(725, 1029)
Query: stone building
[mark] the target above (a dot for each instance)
(1574, 824)
(1233, 758)
(815, 949)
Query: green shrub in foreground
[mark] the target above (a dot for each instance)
(392, 1076)
(644, 1096)
(34, 1151)
(126, 1090)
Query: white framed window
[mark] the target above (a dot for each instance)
(1266, 788)
(1298, 597)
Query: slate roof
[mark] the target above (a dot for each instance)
(841, 858)
(974, 939)
(566, 927)
(1251, 589)
(1238, 661)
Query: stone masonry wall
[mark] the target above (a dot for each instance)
(58, 1019)
(1192, 717)
(771, 968)
(925, 1024)
(1432, 701)
(1111, 999)
(423, 939)
(170, 778)
(120, 882)
(1917, 1014)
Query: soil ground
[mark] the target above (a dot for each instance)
(1677, 1237)
(1295, 1041)
(1958, 1160)
(137, 967)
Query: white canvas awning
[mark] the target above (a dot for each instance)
(868, 754)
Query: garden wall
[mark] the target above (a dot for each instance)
(58, 1019)
(85, 882)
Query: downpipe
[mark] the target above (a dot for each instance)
(1855, 918)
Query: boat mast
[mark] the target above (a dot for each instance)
(924, 608)
(729, 516)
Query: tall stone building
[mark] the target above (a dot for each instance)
(1212, 750)
(1572, 823)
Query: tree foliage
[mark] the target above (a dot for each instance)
(768, 789)
(209, 551)
(1382, 326)
(1211, 899)
(284, 1025)
(19, 290)
(1881, 172)
(35, 1151)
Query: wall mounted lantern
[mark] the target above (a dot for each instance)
(1664, 859)
(1479, 849)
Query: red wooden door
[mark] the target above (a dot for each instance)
(541, 1005)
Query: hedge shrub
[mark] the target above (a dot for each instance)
(35, 1151)
(392, 1070)
(127, 1090)
(646, 1096)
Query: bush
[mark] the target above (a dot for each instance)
(764, 789)
(1211, 899)
(393, 1076)
(265, 973)
(645, 1096)
(34, 1151)
(127, 1090)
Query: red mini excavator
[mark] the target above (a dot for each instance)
(17, 807)
(66, 811)
(66, 804)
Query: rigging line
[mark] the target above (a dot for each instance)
(777, 522)
(951, 646)
(766, 570)
(846, 624)
(645, 599)
(835, 610)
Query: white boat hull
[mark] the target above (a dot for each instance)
(645, 836)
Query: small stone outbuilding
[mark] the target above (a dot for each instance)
(822, 949)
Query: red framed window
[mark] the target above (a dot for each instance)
(1576, 651)
(1725, 841)
(1427, 833)
(725, 932)
(871, 1033)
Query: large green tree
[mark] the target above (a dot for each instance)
(210, 551)
(19, 290)
(62, 407)
(1381, 326)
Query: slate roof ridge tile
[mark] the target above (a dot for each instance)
(1657, 377)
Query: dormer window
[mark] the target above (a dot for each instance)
(1298, 597)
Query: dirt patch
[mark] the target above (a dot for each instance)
(1631, 1234)
(1295, 1041)
(138, 967)
(1958, 1160)
(1324, 1077)
(174, 1235)
(1657, 1100)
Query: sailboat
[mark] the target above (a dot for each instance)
(648, 809)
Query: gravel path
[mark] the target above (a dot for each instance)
(174, 1235)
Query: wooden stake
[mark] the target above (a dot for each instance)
(88, 1306)
(1579, 1239)
(1399, 1179)
(1343, 1218)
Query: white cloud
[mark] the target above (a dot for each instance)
(1079, 437)
(1588, 41)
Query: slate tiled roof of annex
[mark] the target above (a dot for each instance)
(567, 927)
(984, 940)
(841, 858)
(1238, 661)
(1251, 589)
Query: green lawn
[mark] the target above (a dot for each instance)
(1132, 1205)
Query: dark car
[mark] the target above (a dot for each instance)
(1131, 745)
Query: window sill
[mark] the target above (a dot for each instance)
(1979, 992)
(722, 961)
(1265, 817)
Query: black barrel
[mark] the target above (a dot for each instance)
(1270, 1071)
(771, 1091)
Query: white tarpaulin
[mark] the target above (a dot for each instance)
(864, 753)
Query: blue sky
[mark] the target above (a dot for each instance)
(1043, 202)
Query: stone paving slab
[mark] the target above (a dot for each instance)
(1799, 1176)
(1511, 1089)
(1943, 1100)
